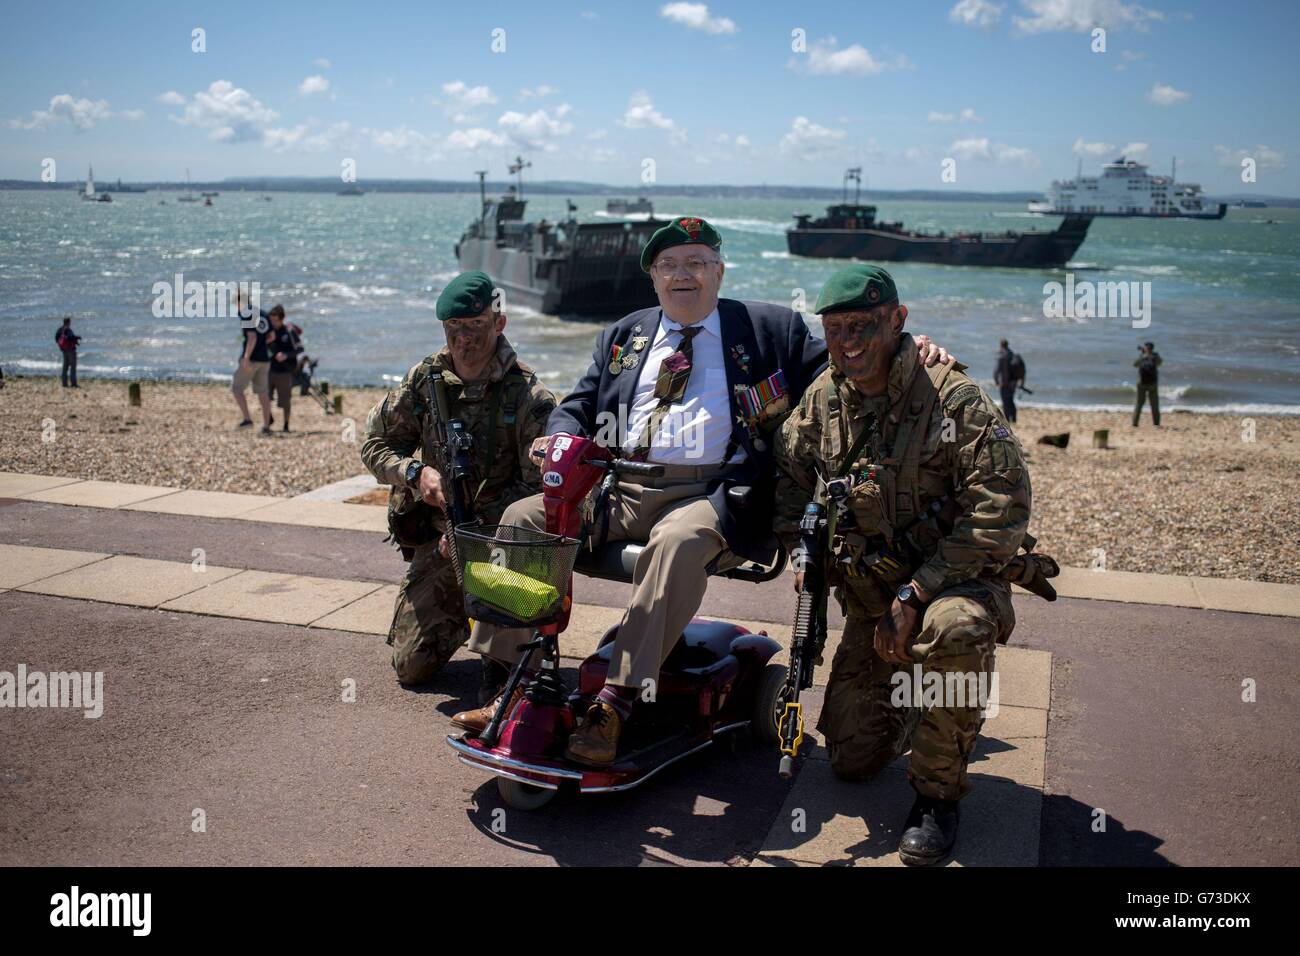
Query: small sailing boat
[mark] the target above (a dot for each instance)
(90, 195)
(189, 193)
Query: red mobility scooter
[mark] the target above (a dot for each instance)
(718, 679)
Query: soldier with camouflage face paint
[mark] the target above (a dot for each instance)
(939, 508)
(504, 407)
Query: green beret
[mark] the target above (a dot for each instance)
(859, 286)
(684, 231)
(467, 295)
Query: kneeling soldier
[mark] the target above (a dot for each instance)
(504, 408)
(937, 511)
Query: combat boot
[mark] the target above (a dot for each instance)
(476, 721)
(495, 675)
(595, 741)
(930, 831)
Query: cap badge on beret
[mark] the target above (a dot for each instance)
(692, 226)
(873, 294)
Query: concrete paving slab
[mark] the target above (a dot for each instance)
(316, 514)
(204, 504)
(372, 614)
(140, 582)
(1013, 723)
(1249, 597)
(17, 485)
(100, 494)
(860, 824)
(1126, 586)
(21, 565)
(342, 490)
(279, 598)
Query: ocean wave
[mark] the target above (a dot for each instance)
(1153, 270)
(1230, 408)
(772, 254)
(762, 226)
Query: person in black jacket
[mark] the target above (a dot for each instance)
(67, 341)
(697, 384)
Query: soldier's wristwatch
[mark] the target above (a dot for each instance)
(412, 475)
(907, 595)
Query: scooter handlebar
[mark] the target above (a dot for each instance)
(639, 469)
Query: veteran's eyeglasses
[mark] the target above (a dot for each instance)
(695, 266)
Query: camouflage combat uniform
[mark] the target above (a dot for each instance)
(429, 621)
(958, 451)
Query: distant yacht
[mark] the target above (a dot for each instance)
(189, 193)
(1125, 188)
(89, 194)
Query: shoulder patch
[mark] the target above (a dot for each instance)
(963, 394)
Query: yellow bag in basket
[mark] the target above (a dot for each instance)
(516, 594)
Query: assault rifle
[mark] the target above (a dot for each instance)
(450, 445)
(808, 636)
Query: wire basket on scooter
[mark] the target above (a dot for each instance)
(513, 576)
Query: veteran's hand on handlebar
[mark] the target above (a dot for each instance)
(538, 451)
(431, 488)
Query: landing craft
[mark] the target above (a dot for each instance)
(560, 268)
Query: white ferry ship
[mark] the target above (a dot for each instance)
(1125, 188)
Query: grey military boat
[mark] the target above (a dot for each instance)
(567, 268)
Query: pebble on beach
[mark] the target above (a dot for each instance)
(1208, 495)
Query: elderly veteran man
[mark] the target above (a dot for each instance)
(927, 542)
(697, 385)
(504, 407)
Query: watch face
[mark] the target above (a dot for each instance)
(905, 593)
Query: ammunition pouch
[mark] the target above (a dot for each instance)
(859, 555)
(411, 522)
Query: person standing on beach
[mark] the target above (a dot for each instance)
(67, 341)
(504, 407)
(283, 349)
(1147, 362)
(254, 363)
(1008, 375)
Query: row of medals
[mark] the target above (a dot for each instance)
(630, 359)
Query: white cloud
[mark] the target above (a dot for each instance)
(313, 85)
(1163, 94)
(976, 13)
(824, 57)
(1093, 150)
(170, 98)
(461, 99)
(1265, 157)
(742, 141)
(536, 130)
(967, 115)
(1136, 150)
(541, 92)
(807, 140)
(82, 113)
(132, 114)
(981, 148)
(404, 141)
(641, 114)
(230, 113)
(321, 63)
(1081, 16)
(696, 16)
(475, 138)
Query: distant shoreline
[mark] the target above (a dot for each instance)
(551, 188)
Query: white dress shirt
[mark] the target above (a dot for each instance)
(696, 431)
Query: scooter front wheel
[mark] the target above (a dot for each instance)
(769, 703)
(523, 796)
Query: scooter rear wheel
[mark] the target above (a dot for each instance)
(523, 796)
(768, 704)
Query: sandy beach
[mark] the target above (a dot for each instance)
(1197, 496)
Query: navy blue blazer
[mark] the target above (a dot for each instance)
(773, 337)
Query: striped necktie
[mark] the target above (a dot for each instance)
(670, 389)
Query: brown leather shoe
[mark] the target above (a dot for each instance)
(476, 721)
(595, 741)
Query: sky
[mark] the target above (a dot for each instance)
(1015, 92)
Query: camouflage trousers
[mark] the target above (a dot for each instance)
(864, 725)
(429, 622)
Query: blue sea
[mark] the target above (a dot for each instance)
(361, 274)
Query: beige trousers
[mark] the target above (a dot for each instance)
(683, 537)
